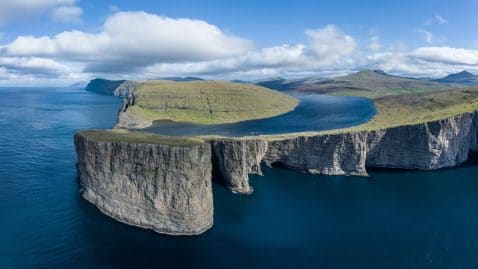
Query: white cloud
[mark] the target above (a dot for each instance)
(426, 35)
(18, 10)
(113, 8)
(452, 56)
(328, 47)
(330, 44)
(437, 19)
(426, 61)
(130, 40)
(374, 44)
(32, 65)
(140, 45)
(67, 14)
(440, 20)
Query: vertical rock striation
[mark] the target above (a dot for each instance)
(425, 146)
(168, 188)
(236, 159)
(334, 154)
(159, 187)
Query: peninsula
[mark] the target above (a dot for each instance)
(164, 183)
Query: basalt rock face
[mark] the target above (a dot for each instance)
(337, 154)
(168, 188)
(236, 159)
(159, 187)
(126, 89)
(425, 146)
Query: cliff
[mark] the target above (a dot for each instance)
(164, 187)
(149, 181)
(425, 146)
(103, 86)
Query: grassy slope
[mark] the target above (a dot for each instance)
(421, 107)
(207, 102)
(135, 137)
(401, 110)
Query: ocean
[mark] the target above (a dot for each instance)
(394, 219)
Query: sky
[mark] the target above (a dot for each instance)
(59, 42)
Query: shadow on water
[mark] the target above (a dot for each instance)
(470, 162)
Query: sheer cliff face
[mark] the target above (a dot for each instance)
(159, 187)
(342, 154)
(168, 189)
(426, 146)
(236, 159)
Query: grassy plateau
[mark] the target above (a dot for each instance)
(207, 102)
(136, 137)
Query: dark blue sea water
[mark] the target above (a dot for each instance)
(314, 113)
(395, 219)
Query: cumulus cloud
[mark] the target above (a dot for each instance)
(140, 45)
(31, 65)
(447, 55)
(328, 47)
(330, 44)
(16, 10)
(130, 40)
(133, 42)
(426, 61)
(67, 14)
(374, 44)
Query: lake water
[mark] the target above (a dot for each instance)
(395, 219)
(314, 113)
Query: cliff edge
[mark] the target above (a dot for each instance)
(160, 185)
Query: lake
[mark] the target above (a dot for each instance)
(314, 113)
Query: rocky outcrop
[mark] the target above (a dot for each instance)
(159, 187)
(126, 89)
(236, 159)
(335, 154)
(129, 120)
(103, 86)
(427, 146)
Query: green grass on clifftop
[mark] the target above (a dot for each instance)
(421, 107)
(207, 102)
(135, 137)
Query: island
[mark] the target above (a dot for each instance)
(164, 183)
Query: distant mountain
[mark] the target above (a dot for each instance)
(463, 77)
(80, 85)
(103, 86)
(281, 84)
(182, 79)
(367, 83)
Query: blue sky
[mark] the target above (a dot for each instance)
(62, 41)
